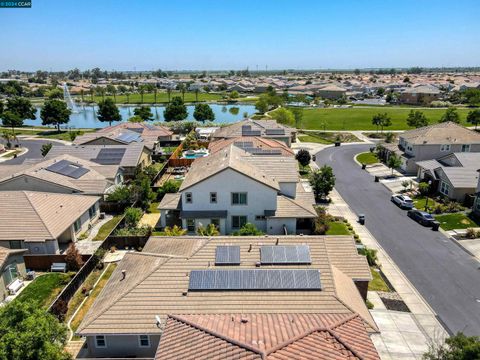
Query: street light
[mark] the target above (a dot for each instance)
(426, 202)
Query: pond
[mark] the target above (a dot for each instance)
(87, 118)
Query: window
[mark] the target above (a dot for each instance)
(92, 211)
(188, 198)
(215, 222)
(409, 147)
(100, 341)
(466, 148)
(213, 197)
(260, 217)
(444, 188)
(445, 147)
(10, 274)
(238, 221)
(15, 244)
(239, 198)
(190, 225)
(77, 225)
(144, 340)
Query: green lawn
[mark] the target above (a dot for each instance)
(107, 228)
(50, 134)
(377, 284)
(360, 118)
(420, 201)
(162, 97)
(45, 288)
(456, 221)
(367, 158)
(337, 228)
(326, 137)
(152, 209)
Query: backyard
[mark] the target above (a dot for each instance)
(107, 228)
(360, 118)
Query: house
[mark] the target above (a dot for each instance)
(420, 95)
(253, 144)
(43, 222)
(454, 175)
(12, 270)
(263, 128)
(209, 292)
(331, 91)
(62, 174)
(126, 133)
(129, 157)
(232, 187)
(430, 143)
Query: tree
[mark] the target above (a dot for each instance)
(132, 217)
(108, 111)
(450, 114)
(382, 120)
(135, 119)
(22, 108)
(45, 149)
(457, 347)
(473, 117)
(283, 116)
(55, 93)
(261, 105)
(203, 112)
(298, 115)
(169, 187)
(377, 120)
(144, 113)
(27, 332)
(11, 119)
(121, 194)
(233, 95)
(112, 90)
(73, 258)
(393, 162)
(141, 191)
(55, 112)
(424, 188)
(175, 110)
(9, 136)
(322, 181)
(417, 119)
(169, 94)
(196, 91)
(209, 230)
(303, 157)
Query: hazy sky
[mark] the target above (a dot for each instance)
(200, 34)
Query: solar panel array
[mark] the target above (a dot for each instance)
(256, 151)
(251, 133)
(68, 168)
(150, 127)
(275, 131)
(110, 156)
(137, 130)
(243, 144)
(128, 137)
(278, 279)
(227, 255)
(284, 254)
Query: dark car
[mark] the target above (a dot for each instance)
(421, 217)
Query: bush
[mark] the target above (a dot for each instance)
(472, 234)
(248, 230)
(303, 157)
(121, 194)
(371, 255)
(169, 187)
(73, 258)
(173, 231)
(322, 221)
(209, 230)
(143, 230)
(132, 217)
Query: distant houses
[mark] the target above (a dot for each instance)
(420, 95)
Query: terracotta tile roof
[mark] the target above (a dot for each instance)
(157, 285)
(442, 133)
(266, 336)
(257, 143)
(235, 130)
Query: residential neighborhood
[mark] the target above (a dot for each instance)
(304, 184)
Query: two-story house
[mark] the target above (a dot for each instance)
(432, 142)
(233, 187)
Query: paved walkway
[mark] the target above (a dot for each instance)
(87, 245)
(422, 312)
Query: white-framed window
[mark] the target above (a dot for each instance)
(239, 198)
(100, 341)
(238, 221)
(260, 217)
(445, 147)
(144, 341)
(213, 197)
(77, 225)
(444, 188)
(188, 198)
(466, 148)
(190, 225)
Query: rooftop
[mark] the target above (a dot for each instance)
(442, 133)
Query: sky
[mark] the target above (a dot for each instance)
(230, 35)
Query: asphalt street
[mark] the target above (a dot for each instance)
(444, 274)
(34, 150)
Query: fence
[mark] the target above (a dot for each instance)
(44, 262)
(134, 242)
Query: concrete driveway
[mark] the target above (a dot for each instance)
(445, 275)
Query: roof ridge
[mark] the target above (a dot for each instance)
(296, 202)
(36, 212)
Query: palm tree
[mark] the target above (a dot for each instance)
(169, 93)
(155, 95)
(183, 89)
(92, 91)
(114, 92)
(82, 94)
(141, 90)
(196, 94)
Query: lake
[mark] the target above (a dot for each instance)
(87, 118)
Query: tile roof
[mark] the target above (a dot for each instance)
(343, 254)
(157, 285)
(170, 202)
(266, 336)
(288, 208)
(256, 142)
(461, 177)
(39, 216)
(442, 133)
(5, 253)
(235, 129)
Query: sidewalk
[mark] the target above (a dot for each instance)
(421, 311)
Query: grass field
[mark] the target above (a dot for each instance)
(162, 97)
(326, 137)
(45, 288)
(367, 158)
(337, 228)
(360, 118)
(48, 134)
(456, 221)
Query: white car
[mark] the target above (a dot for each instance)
(404, 201)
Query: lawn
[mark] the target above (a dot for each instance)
(45, 288)
(107, 228)
(162, 97)
(420, 201)
(367, 158)
(152, 209)
(50, 134)
(377, 284)
(456, 221)
(360, 118)
(327, 137)
(304, 171)
(338, 228)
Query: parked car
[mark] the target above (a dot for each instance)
(421, 217)
(404, 201)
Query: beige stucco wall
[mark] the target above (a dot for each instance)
(123, 346)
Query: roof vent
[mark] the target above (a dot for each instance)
(185, 293)
(250, 247)
(278, 240)
(124, 274)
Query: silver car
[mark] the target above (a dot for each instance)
(403, 201)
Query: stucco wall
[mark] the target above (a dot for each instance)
(12, 259)
(123, 346)
(27, 183)
(275, 226)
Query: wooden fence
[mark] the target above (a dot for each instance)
(44, 262)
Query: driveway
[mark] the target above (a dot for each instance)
(444, 274)
(34, 149)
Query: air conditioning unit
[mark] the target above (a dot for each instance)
(102, 215)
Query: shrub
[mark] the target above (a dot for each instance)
(248, 230)
(132, 217)
(371, 255)
(173, 231)
(472, 234)
(73, 258)
(169, 187)
(121, 194)
(303, 157)
(143, 230)
(209, 230)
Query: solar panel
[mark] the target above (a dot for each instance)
(68, 168)
(275, 131)
(110, 156)
(227, 255)
(284, 254)
(137, 130)
(128, 137)
(258, 279)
